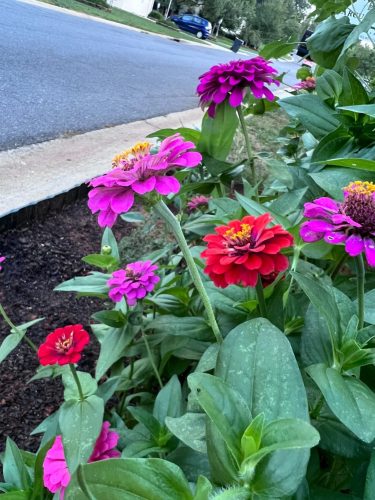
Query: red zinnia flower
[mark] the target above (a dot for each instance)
(245, 249)
(63, 346)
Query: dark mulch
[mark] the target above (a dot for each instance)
(40, 255)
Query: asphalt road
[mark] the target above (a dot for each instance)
(61, 74)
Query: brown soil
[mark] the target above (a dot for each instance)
(39, 256)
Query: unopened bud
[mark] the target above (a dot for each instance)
(106, 250)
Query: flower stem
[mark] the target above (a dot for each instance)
(334, 271)
(174, 225)
(314, 413)
(76, 379)
(360, 268)
(12, 326)
(249, 149)
(261, 300)
(152, 361)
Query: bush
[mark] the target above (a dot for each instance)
(98, 3)
(155, 14)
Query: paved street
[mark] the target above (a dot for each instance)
(61, 75)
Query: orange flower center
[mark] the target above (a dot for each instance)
(241, 237)
(127, 158)
(360, 187)
(64, 343)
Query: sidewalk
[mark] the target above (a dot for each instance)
(34, 173)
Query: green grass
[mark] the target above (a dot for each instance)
(122, 17)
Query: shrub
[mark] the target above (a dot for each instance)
(155, 14)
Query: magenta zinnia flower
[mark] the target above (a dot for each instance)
(197, 202)
(232, 80)
(133, 282)
(56, 475)
(138, 174)
(351, 222)
(2, 260)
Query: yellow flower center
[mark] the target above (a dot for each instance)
(64, 344)
(239, 236)
(360, 187)
(127, 157)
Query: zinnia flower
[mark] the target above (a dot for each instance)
(56, 475)
(2, 260)
(140, 172)
(232, 80)
(244, 250)
(133, 282)
(63, 346)
(351, 222)
(308, 84)
(197, 202)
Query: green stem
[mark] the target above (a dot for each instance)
(13, 327)
(76, 379)
(317, 408)
(249, 149)
(337, 266)
(151, 358)
(162, 209)
(261, 300)
(360, 268)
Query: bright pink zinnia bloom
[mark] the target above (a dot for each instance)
(133, 282)
(2, 260)
(56, 475)
(197, 202)
(114, 192)
(351, 222)
(232, 80)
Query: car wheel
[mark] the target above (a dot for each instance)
(199, 34)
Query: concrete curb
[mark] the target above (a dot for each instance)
(32, 174)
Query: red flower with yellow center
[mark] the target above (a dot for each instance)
(244, 250)
(63, 346)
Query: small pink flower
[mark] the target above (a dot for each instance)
(56, 475)
(308, 84)
(114, 192)
(351, 222)
(134, 282)
(197, 202)
(231, 81)
(2, 260)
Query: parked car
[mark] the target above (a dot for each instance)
(194, 24)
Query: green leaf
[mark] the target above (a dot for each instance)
(99, 260)
(14, 469)
(16, 495)
(88, 385)
(329, 85)
(189, 134)
(113, 318)
(130, 479)
(168, 402)
(364, 109)
(333, 180)
(335, 144)
(217, 133)
(208, 359)
(190, 429)
(370, 479)
(353, 92)
(256, 360)
(287, 203)
(112, 347)
(327, 41)
(135, 217)
(349, 399)
(12, 340)
(363, 27)
(232, 493)
(326, 8)
(108, 239)
(224, 406)
(357, 163)
(38, 487)
(252, 437)
(370, 307)
(190, 326)
(108, 388)
(277, 49)
(203, 490)
(148, 420)
(93, 283)
(80, 423)
(312, 112)
(253, 208)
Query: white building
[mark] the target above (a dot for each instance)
(139, 7)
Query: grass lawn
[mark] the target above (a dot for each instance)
(123, 17)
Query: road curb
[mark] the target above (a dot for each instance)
(38, 178)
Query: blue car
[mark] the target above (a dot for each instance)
(194, 24)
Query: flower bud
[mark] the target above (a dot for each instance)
(106, 250)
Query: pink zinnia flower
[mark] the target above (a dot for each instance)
(351, 222)
(232, 80)
(133, 282)
(140, 173)
(308, 84)
(197, 202)
(56, 475)
(2, 260)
